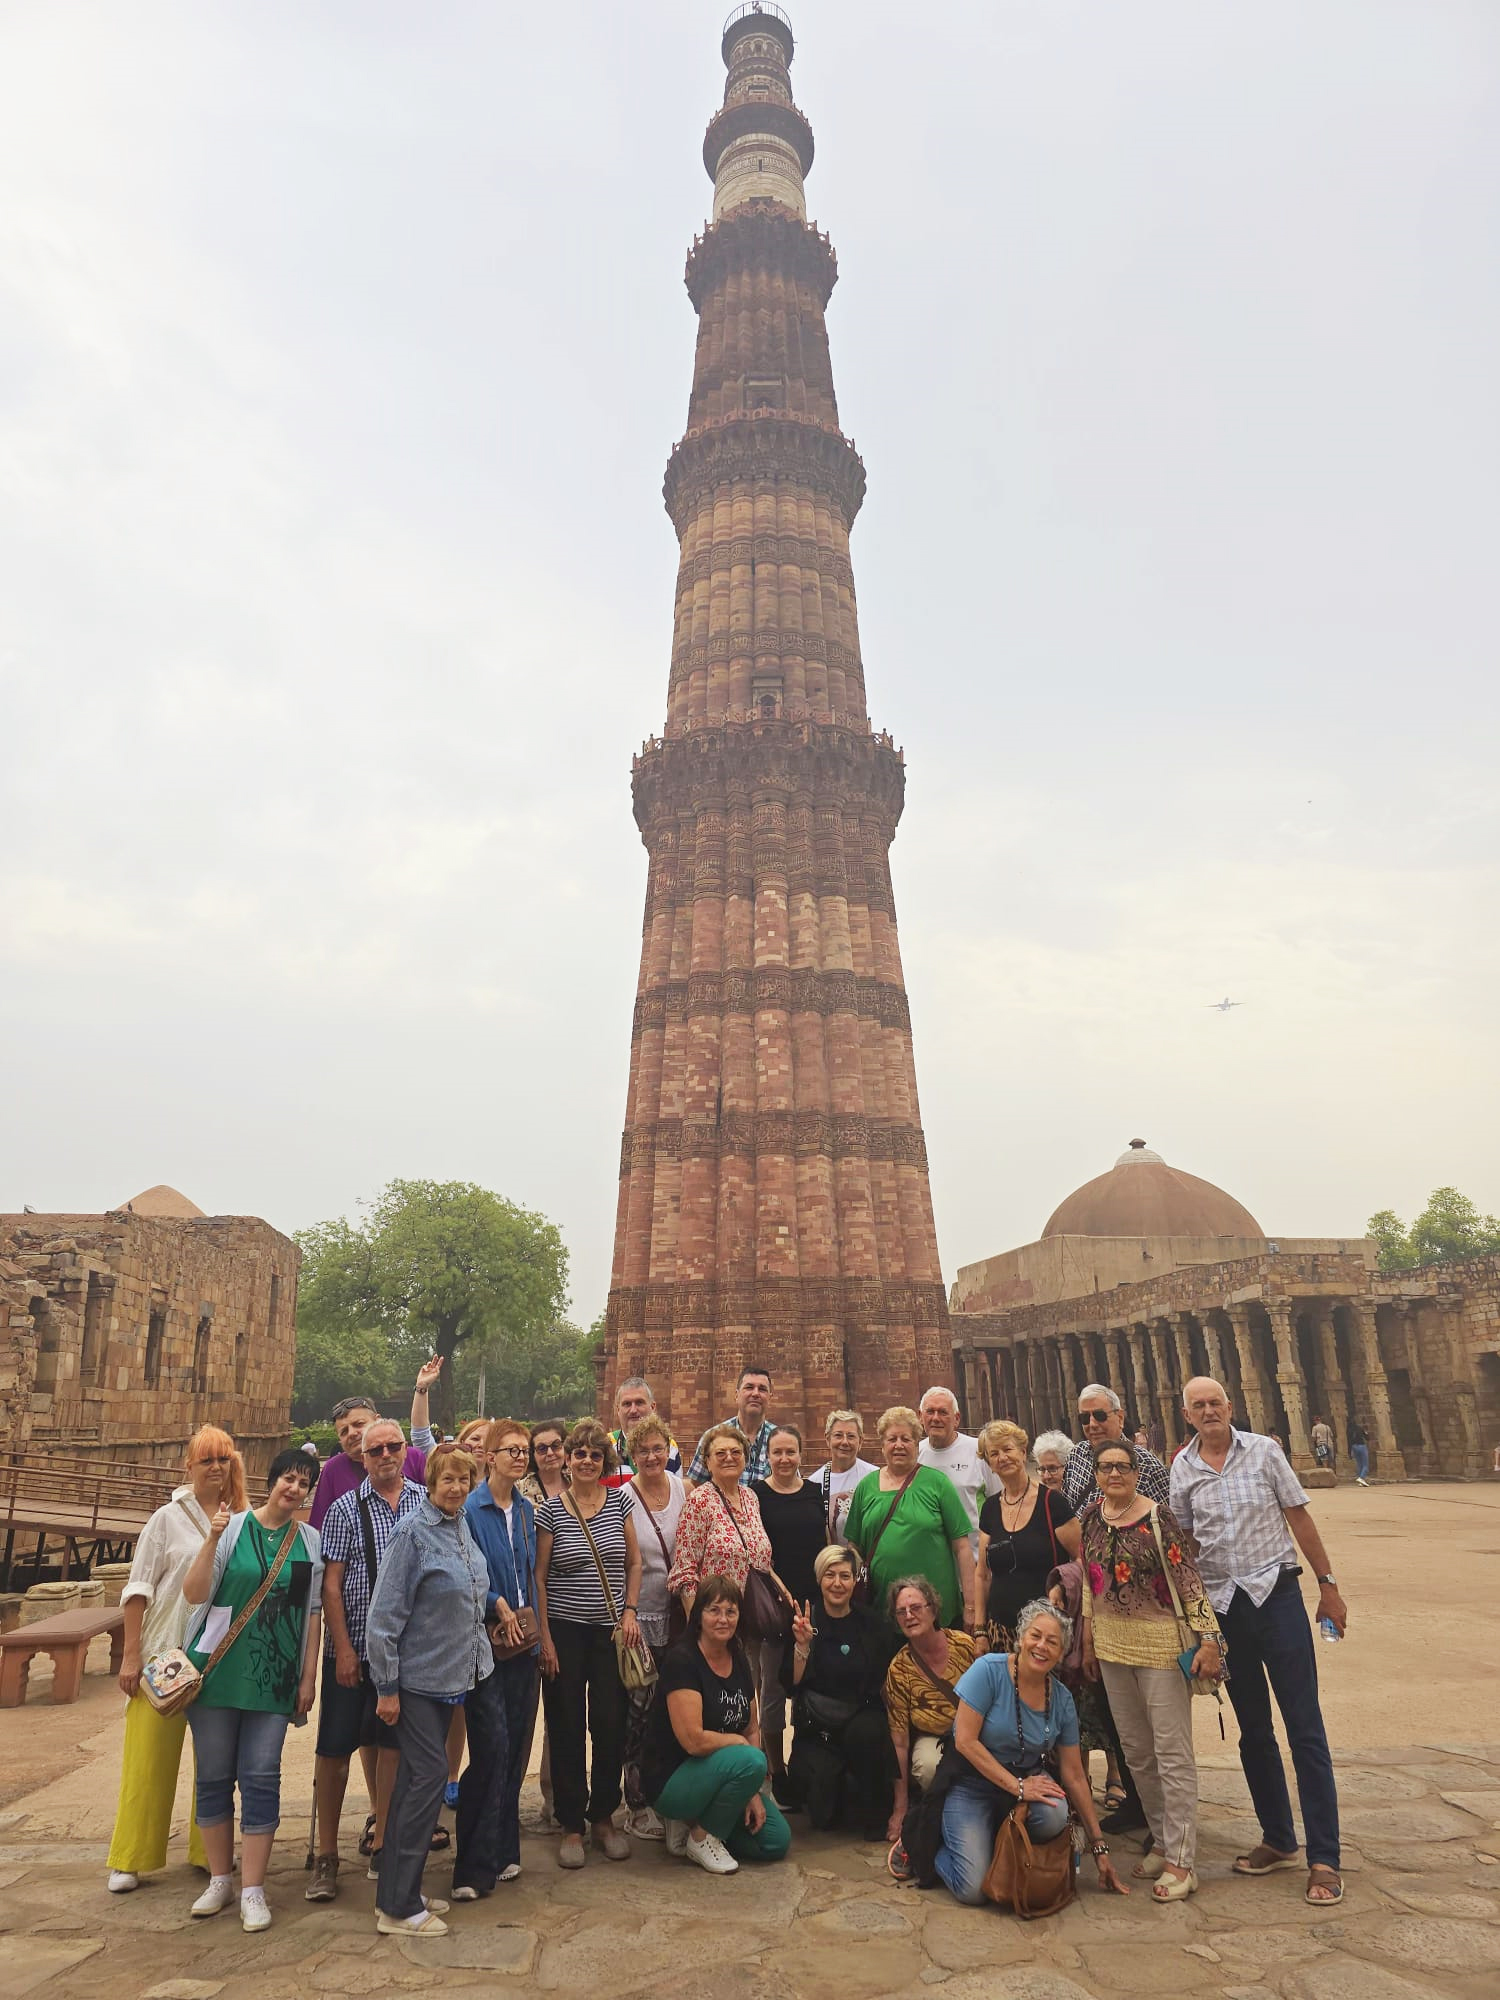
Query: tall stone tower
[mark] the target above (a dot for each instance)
(774, 1205)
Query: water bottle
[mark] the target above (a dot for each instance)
(1329, 1630)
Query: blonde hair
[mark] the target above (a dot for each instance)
(995, 1430)
(825, 1559)
(898, 1413)
(649, 1426)
(844, 1417)
(208, 1437)
(443, 1455)
(730, 1431)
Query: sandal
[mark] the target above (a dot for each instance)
(367, 1838)
(1264, 1860)
(1321, 1876)
(440, 1840)
(1173, 1888)
(1148, 1868)
(1114, 1797)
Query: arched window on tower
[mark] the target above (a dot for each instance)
(201, 1340)
(156, 1333)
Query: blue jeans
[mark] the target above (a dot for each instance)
(1275, 1641)
(1361, 1460)
(972, 1812)
(238, 1746)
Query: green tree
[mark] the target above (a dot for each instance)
(334, 1361)
(1450, 1226)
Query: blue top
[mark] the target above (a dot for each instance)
(988, 1687)
(511, 1558)
(425, 1630)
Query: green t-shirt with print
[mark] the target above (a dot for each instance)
(262, 1668)
(917, 1542)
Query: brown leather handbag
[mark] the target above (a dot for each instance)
(1034, 1877)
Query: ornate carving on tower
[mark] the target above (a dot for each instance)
(774, 1203)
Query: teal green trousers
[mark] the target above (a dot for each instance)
(713, 1792)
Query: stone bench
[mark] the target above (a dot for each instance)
(66, 1639)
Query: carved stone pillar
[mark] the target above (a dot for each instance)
(1140, 1376)
(1071, 1385)
(1257, 1409)
(1292, 1382)
(1167, 1402)
(1183, 1339)
(1408, 1311)
(1388, 1455)
(1448, 1314)
(1333, 1382)
(1213, 1341)
(1119, 1370)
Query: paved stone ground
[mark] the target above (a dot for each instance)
(1420, 1916)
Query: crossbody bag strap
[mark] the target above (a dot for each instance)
(746, 1547)
(656, 1525)
(367, 1534)
(293, 1534)
(588, 1536)
(828, 1499)
(900, 1496)
(1046, 1493)
(1185, 1631)
(937, 1680)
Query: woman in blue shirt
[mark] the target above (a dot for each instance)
(1014, 1716)
(503, 1522)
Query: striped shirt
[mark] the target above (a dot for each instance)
(1238, 1515)
(574, 1592)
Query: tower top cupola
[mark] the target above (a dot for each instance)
(758, 147)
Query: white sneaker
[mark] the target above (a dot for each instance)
(644, 1824)
(712, 1854)
(511, 1872)
(675, 1832)
(121, 1880)
(423, 1924)
(217, 1896)
(255, 1912)
(464, 1893)
(1361, 1482)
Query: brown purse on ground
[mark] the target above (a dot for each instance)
(1034, 1877)
(531, 1633)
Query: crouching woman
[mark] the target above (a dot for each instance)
(1014, 1716)
(705, 1768)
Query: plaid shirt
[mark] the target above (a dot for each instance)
(757, 1454)
(1080, 1486)
(344, 1542)
(1238, 1515)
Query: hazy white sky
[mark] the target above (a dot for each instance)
(341, 350)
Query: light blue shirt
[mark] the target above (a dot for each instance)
(1017, 1736)
(425, 1632)
(1238, 1515)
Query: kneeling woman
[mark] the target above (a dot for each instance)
(1013, 1715)
(705, 1768)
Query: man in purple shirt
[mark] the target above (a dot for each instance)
(342, 1473)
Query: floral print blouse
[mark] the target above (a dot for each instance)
(1129, 1598)
(708, 1539)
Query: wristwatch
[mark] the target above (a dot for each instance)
(1331, 1580)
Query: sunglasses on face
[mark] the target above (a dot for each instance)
(1095, 1416)
(549, 1447)
(383, 1450)
(587, 1451)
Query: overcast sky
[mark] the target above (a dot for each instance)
(341, 350)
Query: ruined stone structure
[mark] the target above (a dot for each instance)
(1147, 1276)
(120, 1333)
(774, 1203)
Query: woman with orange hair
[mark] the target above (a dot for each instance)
(155, 1618)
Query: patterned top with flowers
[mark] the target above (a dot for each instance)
(1130, 1601)
(712, 1541)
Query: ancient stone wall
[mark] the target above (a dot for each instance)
(134, 1330)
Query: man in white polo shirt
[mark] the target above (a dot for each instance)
(949, 1450)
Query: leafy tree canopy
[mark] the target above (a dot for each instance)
(1449, 1227)
(436, 1267)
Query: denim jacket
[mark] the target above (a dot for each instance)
(511, 1558)
(425, 1632)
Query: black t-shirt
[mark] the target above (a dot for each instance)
(1019, 1562)
(727, 1701)
(797, 1530)
(849, 1656)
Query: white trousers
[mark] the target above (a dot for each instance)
(1153, 1711)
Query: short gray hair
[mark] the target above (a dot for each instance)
(1043, 1607)
(939, 1389)
(635, 1382)
(1057, 1441)
(1101, 1389)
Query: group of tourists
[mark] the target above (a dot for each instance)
(951, 1627)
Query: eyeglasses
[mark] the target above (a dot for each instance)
(555, 1446)
(1115, 1467)
(510, 1451)
(1095, 1416)
(384, 1450)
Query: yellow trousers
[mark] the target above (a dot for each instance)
(148, 1789)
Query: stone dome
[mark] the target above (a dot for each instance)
(164, 1203)
(1142, 1196)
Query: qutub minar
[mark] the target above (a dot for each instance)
(774, 1204)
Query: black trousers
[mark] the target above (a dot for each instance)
(845, 1778)
(585, 1707)
(487, 1825)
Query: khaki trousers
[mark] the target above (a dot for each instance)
(1153, 1711)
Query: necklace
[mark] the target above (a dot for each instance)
(1015, 1500)
(1112, 1520)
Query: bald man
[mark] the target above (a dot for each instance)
(1236, 1493)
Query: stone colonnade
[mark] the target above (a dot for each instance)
(1284, 1360)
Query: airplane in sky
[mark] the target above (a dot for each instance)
(1223, 1006)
